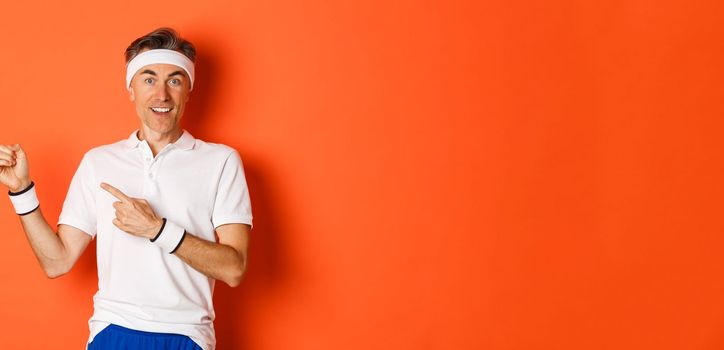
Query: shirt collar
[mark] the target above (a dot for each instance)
(185, 142)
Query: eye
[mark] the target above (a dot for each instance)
(148, 80)
(175, 82)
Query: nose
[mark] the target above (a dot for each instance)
(160, 92)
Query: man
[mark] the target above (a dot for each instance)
(156, 202)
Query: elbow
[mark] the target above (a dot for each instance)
(55, 271)
(235, 277)
(233, 283)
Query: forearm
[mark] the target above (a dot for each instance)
(46, 244)
(215, 260)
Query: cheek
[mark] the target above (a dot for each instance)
(182, 98)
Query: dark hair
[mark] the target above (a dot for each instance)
(161, 38)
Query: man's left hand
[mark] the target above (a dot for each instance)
(134, 215)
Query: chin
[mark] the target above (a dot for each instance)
(161, 128)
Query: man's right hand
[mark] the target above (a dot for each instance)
(14, 171)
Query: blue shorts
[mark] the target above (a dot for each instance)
(116, 337)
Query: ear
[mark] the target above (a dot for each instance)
(131, 94)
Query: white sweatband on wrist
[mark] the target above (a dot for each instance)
(25, 201)
(159, 56)
(170, 237)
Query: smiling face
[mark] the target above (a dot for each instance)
(160, 92)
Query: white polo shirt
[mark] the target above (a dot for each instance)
(195, 185)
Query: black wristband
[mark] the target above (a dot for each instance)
(179, 243)
(159, 231)
(23, 191)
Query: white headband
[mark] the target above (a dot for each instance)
(159, 56)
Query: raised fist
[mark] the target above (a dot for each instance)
(14, 172)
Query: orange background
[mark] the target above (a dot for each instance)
(424, 174)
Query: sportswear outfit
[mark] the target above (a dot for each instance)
(142, 287)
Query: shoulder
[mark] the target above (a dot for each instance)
(217, 151)
(102, 152)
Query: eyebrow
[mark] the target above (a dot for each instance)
(150, 72)
(178, 72)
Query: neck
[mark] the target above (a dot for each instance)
(158, 140)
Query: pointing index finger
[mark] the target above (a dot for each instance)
(115, 192)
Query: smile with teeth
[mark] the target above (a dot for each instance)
(161, 109)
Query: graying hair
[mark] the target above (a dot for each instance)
(161, 38)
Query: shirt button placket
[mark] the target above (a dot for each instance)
(148, 162)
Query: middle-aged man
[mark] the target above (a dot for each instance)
(156, 202)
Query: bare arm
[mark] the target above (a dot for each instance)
(56, 253)
(225, 260)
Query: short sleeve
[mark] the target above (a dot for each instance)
(79, 209)
(232, 203)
